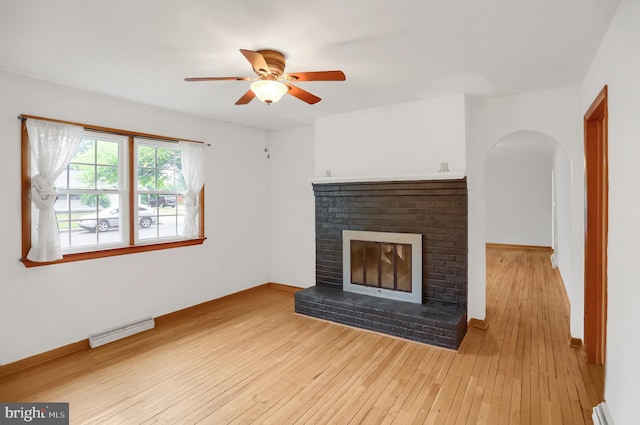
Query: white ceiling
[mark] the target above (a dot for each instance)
(392, 51)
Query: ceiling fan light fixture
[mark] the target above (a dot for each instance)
(268, 91)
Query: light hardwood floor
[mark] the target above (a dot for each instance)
(251, 360)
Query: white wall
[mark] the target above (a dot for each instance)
(411, 138)
(555, 114)
(47, 307)
(617, 64)
(518, 179)
(292, 208)
(563, 217)
(475, 160)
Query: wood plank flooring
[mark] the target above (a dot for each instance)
(251, 360)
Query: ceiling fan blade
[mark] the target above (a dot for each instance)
(303, 95)
(246, 98)
(217, 78)
(316, 76)
(257, 61)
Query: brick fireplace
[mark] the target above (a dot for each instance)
(436, 210)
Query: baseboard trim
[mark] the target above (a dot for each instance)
(477, 323)
(575, 342)
(165, 319)
(37, 359)
(515, 246)
(283, 287)
(601, 415)
(197, 309)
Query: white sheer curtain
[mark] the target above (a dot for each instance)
(193, 171)
(53, 145)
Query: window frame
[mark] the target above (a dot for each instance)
(131, 192)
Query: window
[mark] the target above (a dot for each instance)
(90, 191)
(159, 184)
(120, 193)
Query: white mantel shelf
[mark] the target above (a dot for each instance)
(406, 177)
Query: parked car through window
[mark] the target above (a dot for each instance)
(110, 218)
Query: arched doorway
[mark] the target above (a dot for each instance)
(528, 196)
(520, 175)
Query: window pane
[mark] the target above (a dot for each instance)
(146, 178)
(85, 237)
(165, 158)
(88, 202)
(161, 200)
(81, 237)
(95, 166)
(107, 165)
(181, 186)
(146, 157)
(167, 165)
(82, 177)
(166, 179)
(85, 226)
(63, 216)
(86, 152)
(107, 153)
(170, 226)
(167, 212)
(107, 177)
(101, 219)
(159, 168)
(80, 172)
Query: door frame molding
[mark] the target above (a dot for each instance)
(596, 228)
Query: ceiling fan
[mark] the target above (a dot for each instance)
(269, 67)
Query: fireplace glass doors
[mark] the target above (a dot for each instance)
(381, 265)
(387, 265)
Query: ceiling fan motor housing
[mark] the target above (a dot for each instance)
(275, 60)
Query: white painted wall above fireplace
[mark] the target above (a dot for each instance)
(411, 138)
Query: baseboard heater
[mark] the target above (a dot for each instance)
(601, 415)
(120, 332)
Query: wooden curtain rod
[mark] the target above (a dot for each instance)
(24, 117)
